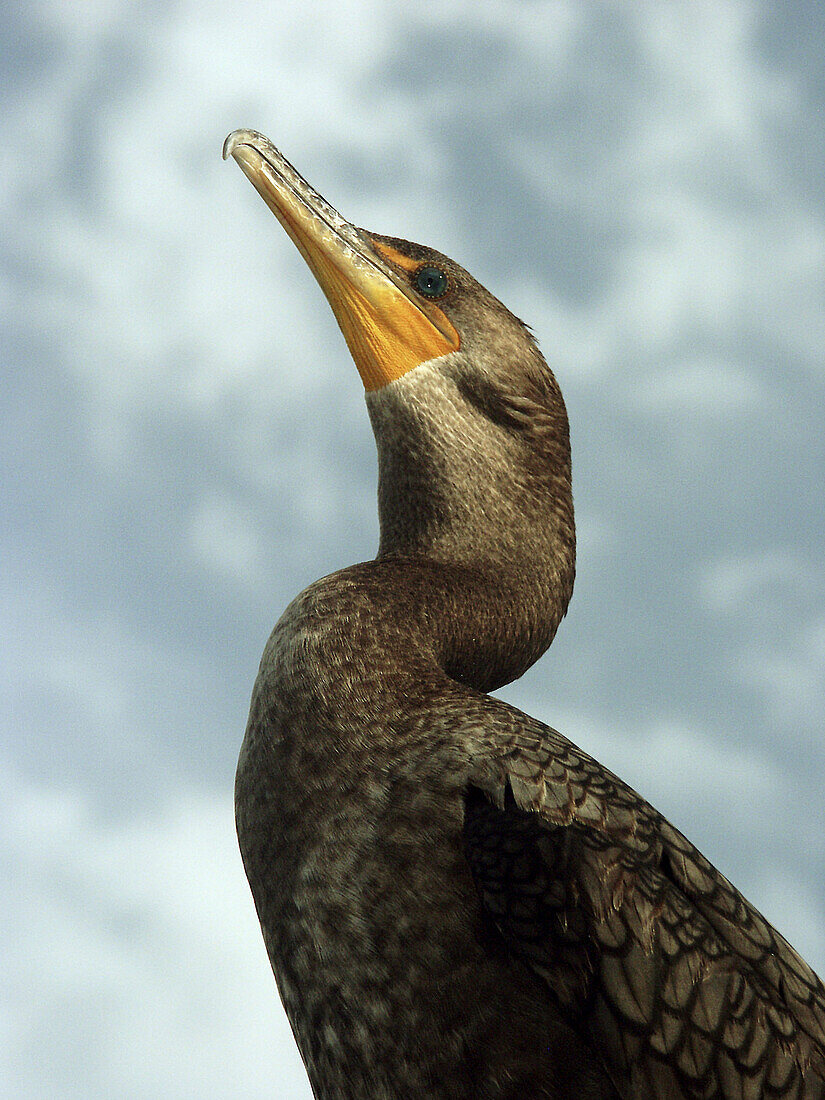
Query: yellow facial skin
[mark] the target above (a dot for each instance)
(388, 332)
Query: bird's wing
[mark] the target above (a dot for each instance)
(683, 986)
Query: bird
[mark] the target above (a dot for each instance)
(457, 901)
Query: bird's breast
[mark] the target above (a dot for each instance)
(365, 900)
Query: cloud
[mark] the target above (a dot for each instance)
(705, 388)
(790, 675)
(136, 967)
(731, 584)
(225, 540)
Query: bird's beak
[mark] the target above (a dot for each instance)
(388, 330)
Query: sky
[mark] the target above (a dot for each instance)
(185, 447)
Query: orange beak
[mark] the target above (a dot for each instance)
(387, 329)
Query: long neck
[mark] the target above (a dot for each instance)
(477, 531)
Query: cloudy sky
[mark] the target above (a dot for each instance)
(185, 447)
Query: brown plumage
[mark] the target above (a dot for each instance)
(457, 901)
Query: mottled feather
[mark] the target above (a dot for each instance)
(685, 989)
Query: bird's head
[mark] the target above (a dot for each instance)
(471, 428)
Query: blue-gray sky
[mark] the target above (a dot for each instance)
(185, 447)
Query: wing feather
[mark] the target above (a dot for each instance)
(686, 990)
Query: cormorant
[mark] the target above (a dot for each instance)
(459, 903)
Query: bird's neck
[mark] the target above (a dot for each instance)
(482, 626)
(477, 532)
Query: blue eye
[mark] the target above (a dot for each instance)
(431, 282)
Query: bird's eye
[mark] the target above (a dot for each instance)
(431, 282)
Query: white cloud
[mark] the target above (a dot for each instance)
(734, 583)
(790, 676)
(713, 389)
(225, 540)
(137, 945)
